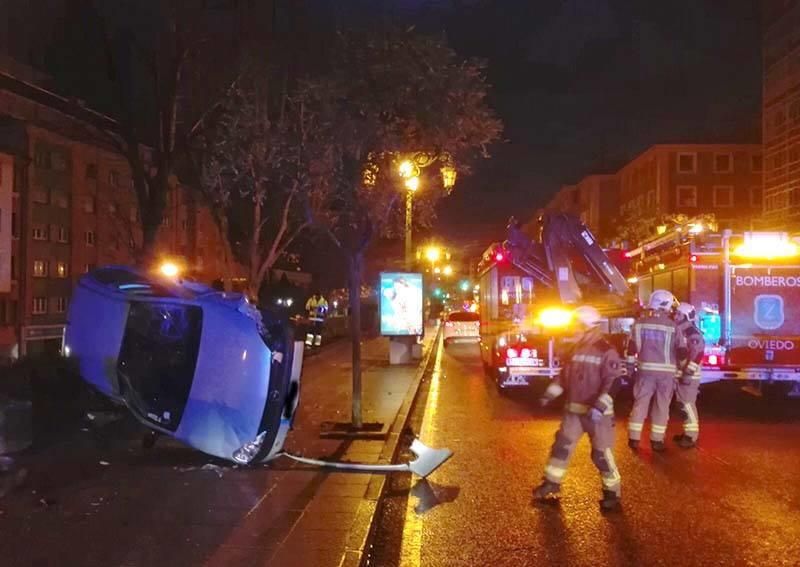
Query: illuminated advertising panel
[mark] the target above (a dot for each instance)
(401, 304)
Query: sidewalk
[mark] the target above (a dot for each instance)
(107, 502)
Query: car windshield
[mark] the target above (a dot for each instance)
(157, 359)
(463, 317)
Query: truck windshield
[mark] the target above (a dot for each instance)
(157, 359)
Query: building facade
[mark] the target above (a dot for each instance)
(67, 205)
(694, 179)
(595, 199)
(781, 113)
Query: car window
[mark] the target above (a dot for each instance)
(130, 282)
(158, 357)
(463, 317)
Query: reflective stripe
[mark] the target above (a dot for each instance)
(691, 427)
(609, 410)
(635, 426)
(574, 407)
(656, 327)
(693, 366)
(657, 367)
(630, 359)
(690, 411)
(587, 358)
(555, 472)
(658, 428)
(554, 390)
(605, 399)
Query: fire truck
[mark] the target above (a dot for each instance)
(746, 289)
(529, 285)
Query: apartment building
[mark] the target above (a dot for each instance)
(781, 113)
(692, 179)
(595, 199)
(67, 205)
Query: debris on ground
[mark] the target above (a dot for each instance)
(104, 463)
(211, 467)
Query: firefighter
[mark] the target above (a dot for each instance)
(691, 356)
(653, 348)
(317, 309)
(590, 377)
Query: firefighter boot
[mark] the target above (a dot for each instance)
(658, 446)
(684, 441)
(546, 491)
(633, 444)
(610, 501)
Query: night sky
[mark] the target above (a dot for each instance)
(585, 85)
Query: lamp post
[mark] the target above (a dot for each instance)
(409, 169)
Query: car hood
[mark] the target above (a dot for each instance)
(94, 330)
(231, 383)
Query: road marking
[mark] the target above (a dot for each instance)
(411, 545)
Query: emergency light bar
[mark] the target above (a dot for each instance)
(766, 245)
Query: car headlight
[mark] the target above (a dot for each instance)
(554, 317)
(245, 454)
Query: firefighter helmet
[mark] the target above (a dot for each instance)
(588, 316)
(661, 300)
(687, 310)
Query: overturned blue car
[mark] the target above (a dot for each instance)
(188, 361)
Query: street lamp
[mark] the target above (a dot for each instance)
(448, 270)
(169, 269)
(409, 170)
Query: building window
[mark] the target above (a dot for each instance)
(60, 304)
(687, 195)
(794, 153)
(755, 197)
(11, 315)
(88, 237)
(58, 161)
(63, 234)
(757, 163)
(39, 195)
(62, 270)
(88, 268)
(184, 224)
(40, 268)
(723, 196)
(14, 225)
(723, 163)
(651, 199)
(39, 233)
(39, 305)
(41, 158)
(165, 220)
(91, 171)
(88, 205)
(113, 178)
(794, 197)
(59, 198)
(779, 160)
(112, 208)
(13, 267)
(687, 163)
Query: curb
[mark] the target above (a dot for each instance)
(358, 539)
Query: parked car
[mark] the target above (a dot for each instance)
(462, 326)
(189, 362)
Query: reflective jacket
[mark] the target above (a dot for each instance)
(590, 375)
(316, 308)
(691, 351)
(653, 346)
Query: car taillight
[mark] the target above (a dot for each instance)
(512, 353)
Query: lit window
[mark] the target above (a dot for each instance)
(39, 305)
(40, 268)
(88, 237)
(687, 196)
(62, 269)
(723, 163)
(63, 234)
(39, 233)
(723, 196)
(687, 163)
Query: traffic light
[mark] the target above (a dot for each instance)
(464, 285)
(437, 292)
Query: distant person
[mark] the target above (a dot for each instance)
(589, 379)
(653, 347)
(690, 357)
(317, 310)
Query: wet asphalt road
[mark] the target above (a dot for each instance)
(735, 500)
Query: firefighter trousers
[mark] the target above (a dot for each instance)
(686, 396)
(658, 388)
(601, 436)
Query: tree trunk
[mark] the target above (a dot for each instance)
(149, 235)
(228, 250)
(355, 262)
(255, 279)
